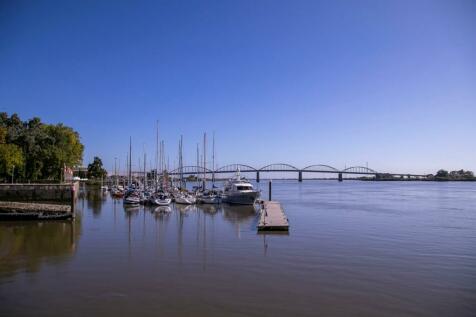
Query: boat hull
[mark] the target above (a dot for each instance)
(184, 201)
(210, 200)
(247, 198)
(131, 201)
(162, 202)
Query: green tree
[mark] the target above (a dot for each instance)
(11, 160)
(469, 175)
(3, 135)
(442, 174)
(46, 148)
(62, 148)
(33, 141)
(95, 169)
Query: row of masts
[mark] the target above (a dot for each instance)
(161, 166)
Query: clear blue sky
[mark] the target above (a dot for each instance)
(391, 83)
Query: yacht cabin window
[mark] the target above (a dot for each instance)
(243, 187)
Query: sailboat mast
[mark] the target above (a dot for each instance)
(180, 160)
(198, 166)
(162, 155)
(213, 159)
(124, 179)
(162, 160)
(130, 161)
(157, 158)
(145, 171)
(115, 169)
(119, 169)
(204, 160)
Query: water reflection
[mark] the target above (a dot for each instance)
(163, 209)
(209, 209)
(160, 215)
(238, 213)
(184, 208)
(131, 210)
(26, 245)
(95, 199)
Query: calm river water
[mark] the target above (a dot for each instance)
(354, 249)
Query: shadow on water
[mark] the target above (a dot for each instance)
(25, 246)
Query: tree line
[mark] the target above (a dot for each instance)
(32, 150)
(460, 175)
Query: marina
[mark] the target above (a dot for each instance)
(238, 158)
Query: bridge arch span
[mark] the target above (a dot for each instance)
(359, 170)
(320, 168)
(279, 167)
(190, 170)
(231, 168)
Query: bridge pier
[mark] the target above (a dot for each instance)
(340, 177)
(300, 176)
(257, 176)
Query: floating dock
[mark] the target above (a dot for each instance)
(272, 217)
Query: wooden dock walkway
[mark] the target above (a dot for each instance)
(272, 217)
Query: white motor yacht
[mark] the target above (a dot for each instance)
(240, 191)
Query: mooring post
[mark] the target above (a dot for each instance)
(340, 177)
(269, 190)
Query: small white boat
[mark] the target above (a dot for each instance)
(115, 192)
(185, 199)
(132, 198)
(161, 200)
(209, 197)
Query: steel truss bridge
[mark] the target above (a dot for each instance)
(286, 168)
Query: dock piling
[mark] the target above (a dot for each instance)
(269, 190)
